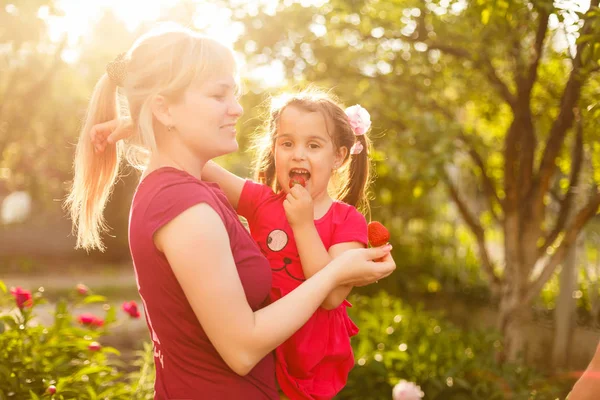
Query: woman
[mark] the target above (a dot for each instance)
(203, 280)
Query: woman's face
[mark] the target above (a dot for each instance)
(206, 115)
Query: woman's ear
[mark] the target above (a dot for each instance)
(160, 110)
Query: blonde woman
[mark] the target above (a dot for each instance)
(203, 280)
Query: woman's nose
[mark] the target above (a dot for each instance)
(236, 108)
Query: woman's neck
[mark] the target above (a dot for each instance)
(188, 164)
(172, 152)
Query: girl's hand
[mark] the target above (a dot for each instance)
(298, 206)
(357, 267)
(110, 132)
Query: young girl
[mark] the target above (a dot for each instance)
(312, 171)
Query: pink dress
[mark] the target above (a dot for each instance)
(314, 363)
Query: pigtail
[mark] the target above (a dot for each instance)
(353, 189)
(263, 143)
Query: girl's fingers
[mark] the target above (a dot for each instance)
(122, 132)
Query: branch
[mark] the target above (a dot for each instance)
(497, 82)
(579, 221)
(483, 64)
(511, 154)
(525, 82)
(567, 202)
(565, 117)
(488, 185)
(476, 228)
(544, 16)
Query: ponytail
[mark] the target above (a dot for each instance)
(95, 174)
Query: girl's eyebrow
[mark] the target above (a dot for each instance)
(312, 137)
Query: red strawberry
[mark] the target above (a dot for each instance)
(378, 234)
(297, 180)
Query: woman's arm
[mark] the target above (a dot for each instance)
(231, 184)
(315, 257)
(213, 287)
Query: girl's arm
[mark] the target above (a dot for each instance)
(231, 184)
(314, 257)
(214, 290)
(299, 209)
(110, 132)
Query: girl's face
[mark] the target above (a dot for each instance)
(303, 147)
(206, 115)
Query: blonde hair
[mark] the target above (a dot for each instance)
(351, 182)
(165, 61)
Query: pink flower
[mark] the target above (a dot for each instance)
(407, 391)
(82, 289)
(90, 320)
(131, 308)
(359, 118)
(22, 297)
(94, 346)
(51, 389)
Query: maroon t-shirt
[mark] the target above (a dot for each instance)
(187, 364)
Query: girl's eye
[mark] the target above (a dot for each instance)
(219, 97)
(313, 146)
(286, 144)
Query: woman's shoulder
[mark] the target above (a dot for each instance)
(172, 182)
(165, 188)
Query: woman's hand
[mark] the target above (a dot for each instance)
(110, 132)
(357, 267)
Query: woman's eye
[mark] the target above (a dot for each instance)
(219, 97)
(286, 144)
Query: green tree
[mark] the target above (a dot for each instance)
(494, 88)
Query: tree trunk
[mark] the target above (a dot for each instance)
(564, 314)
(513, 319)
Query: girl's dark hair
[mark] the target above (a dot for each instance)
(352, 179)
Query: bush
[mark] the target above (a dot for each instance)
(399, 342)
(396, 342)
(66, 359)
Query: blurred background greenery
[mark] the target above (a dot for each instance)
(485, 129)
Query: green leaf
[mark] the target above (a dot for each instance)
(93, 370)
(3, 287)
(95, 299)
(111, 350)
(92, 393)
(33, 395)
(111, 315)
(485, 16)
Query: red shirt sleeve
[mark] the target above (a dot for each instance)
(252, 197)
(172, 200)
(350, 227)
